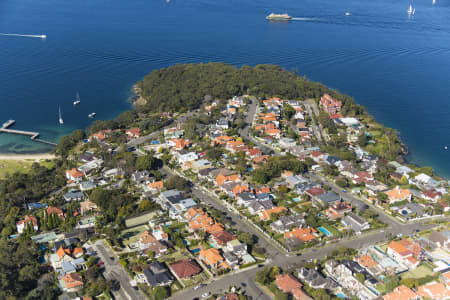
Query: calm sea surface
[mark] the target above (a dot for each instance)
(398, 67)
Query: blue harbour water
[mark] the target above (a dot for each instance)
(398, 67)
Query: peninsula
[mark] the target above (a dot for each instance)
(227, 183)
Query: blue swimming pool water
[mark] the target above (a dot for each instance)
(325, 231)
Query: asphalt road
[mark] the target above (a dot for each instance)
(114, 271)
(239, 222)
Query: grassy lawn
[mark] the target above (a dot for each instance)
(175, 256)
(22, 166)
(195, 279)
(131, 235)
(419, 272)
(333, 230)
(143, 219)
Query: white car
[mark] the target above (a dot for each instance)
(196, 287)
(205, 295)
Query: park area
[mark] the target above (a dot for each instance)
(10, 166)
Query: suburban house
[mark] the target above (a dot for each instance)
(266, 214)
(71, 282)
(212, 258)
(155, 275)
(51, 210)
(355, 223)
(324, 200)
(176, 203)
(290, 285)
(435, 290)
(432, 195)
(73, 196)
(330, 105)
(316, 280)
(236, 247)
(398, 194)
(185, 268)
(402, 254)
(141, 177)
(338, 209)
(22, 224)
(133, 133)
(74, 175)
(148, 242)
(303, 234)
(285, 223)
(221, 238)
(402, 292)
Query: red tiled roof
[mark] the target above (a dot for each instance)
(185, 268)
(287, 283)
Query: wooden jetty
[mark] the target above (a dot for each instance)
(33, 135)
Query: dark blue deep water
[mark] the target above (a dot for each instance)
(398, 67)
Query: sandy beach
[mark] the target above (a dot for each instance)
(35, 157)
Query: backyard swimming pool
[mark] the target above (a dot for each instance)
(325, 231)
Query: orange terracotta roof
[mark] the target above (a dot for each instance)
(434, 291)
(303, 234)
(133, 132)
(223, 139)
(287, 283)
(28, 219)
(147, 237)
(401, 293)
(399, 248)
(72, 280)
(192, 212)
(398, 193)
(74, 173)
(265, 214)
(261, 159)
(211, 256)
(77, 251)
(61, 253)
(220, 179)
(157, 185)
(54, 210)
(262, 190)
(273, 131)
(366, 261)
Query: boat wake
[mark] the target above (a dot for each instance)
(41, 36)
(305, 19)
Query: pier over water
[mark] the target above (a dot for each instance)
(33, 135)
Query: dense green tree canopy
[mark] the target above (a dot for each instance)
(183, 87)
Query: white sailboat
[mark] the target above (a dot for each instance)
(411, 10)
(61, 121)
(77, 100)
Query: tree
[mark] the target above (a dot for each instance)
(382, 197)
(288, 112)
(360, 277)
(362, 139)
(160, 293)
(403, 180)
(279, 295)
(246, 238)
(262, 276)
(177, 182)
(148, 162)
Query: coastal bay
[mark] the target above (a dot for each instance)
(395, 66)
